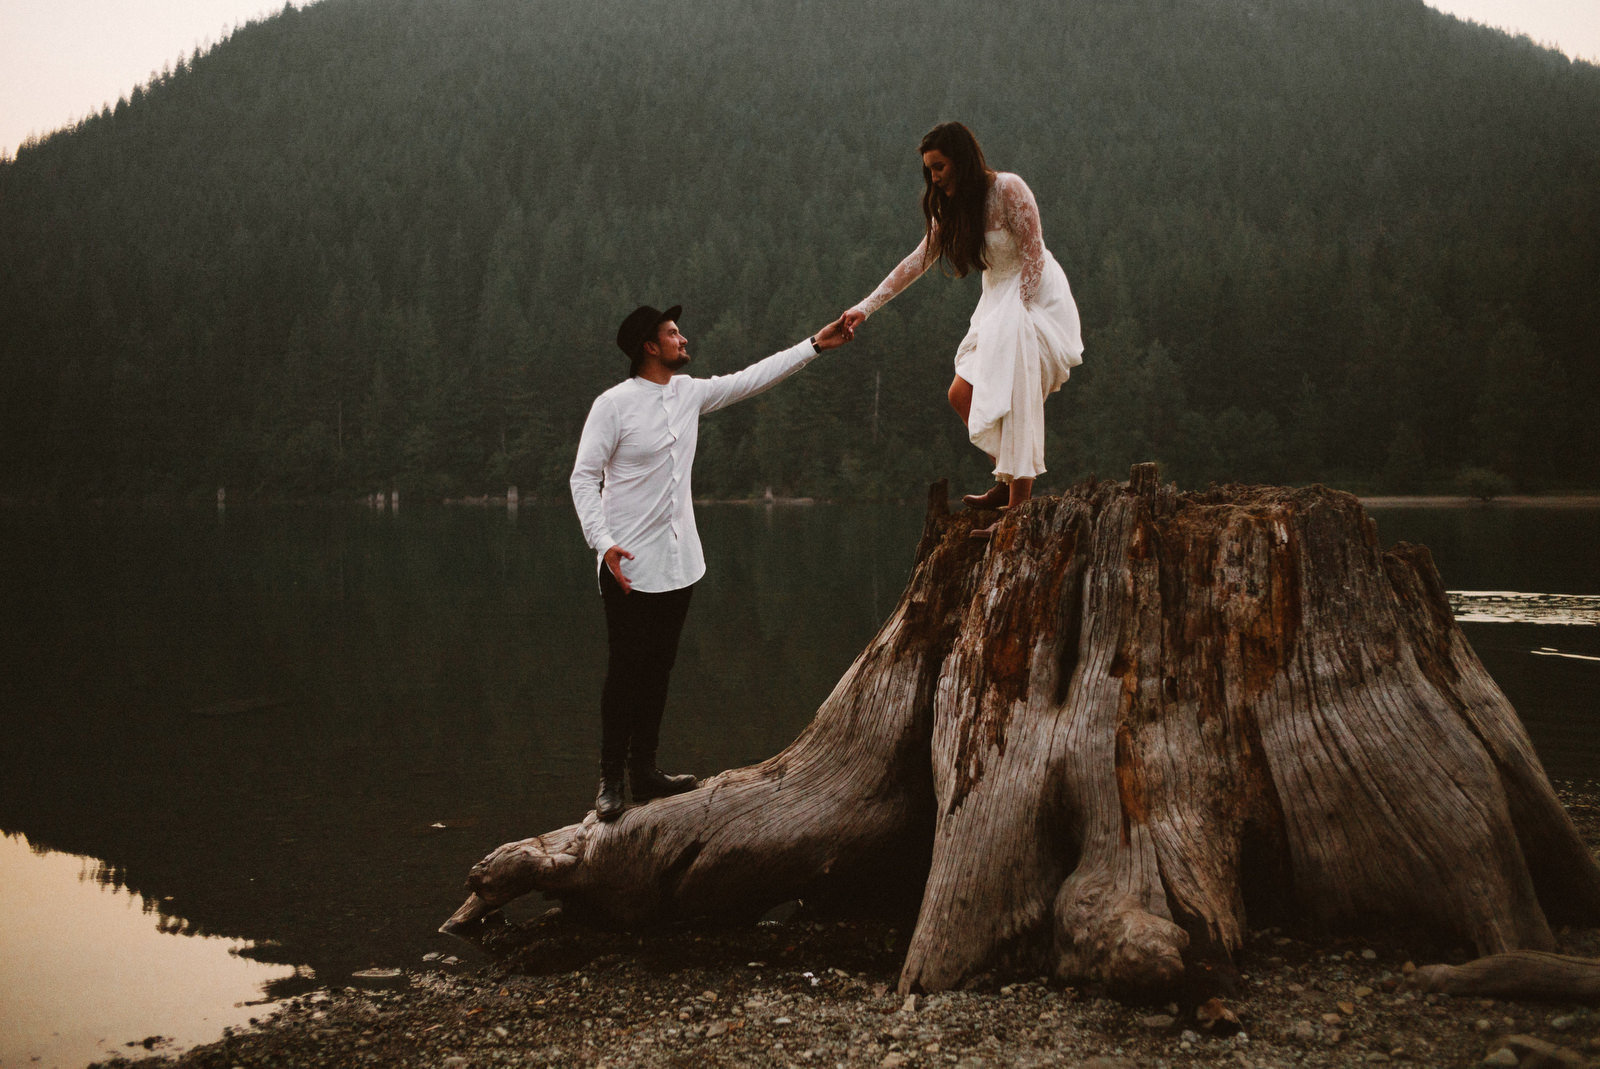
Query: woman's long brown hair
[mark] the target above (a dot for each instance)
(958, 239)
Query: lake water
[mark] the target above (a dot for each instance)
(247, 754)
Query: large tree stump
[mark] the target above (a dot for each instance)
(1126, 722)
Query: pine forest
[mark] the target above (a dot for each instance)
(385, 244)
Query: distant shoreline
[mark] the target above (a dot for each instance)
(1578, 500)
(1445, 501)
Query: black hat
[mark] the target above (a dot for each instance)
(640, 327)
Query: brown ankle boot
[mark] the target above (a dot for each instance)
(997, 496)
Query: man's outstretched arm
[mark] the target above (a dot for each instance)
(719, 391)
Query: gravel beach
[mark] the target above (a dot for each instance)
(819, 991)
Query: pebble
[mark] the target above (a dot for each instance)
(1505, 1057)
(1370, 954)
(1033, 1023)
(380, 977)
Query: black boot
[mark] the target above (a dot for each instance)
(608, 804)
(649, 782)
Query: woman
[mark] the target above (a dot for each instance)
(1025, 337)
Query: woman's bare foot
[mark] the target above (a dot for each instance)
(997, 496)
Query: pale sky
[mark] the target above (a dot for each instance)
(63, 59)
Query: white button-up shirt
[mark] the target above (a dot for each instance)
(630, 483)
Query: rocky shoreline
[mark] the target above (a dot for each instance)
(819, 991)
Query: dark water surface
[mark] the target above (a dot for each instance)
(296, 729)
(1550, 671)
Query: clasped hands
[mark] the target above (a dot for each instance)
(837, 333)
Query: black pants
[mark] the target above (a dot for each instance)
(642, 632)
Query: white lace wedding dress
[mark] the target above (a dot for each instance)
(1025, 336)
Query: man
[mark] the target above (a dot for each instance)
(630, 485)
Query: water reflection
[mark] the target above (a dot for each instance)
(1547, 550)
(1547, 651)
(127, 969)
(305, 726)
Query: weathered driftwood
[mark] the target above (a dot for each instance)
(1128, 720)
(1529, 974)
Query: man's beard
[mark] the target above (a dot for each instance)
(677, 363)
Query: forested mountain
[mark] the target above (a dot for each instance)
(386, 243)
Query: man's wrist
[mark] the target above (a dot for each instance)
(814, 344)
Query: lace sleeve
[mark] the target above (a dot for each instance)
(1021, 213)
(909, 270)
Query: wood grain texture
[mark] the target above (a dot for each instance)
(1528, 974)
(1099, 740)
